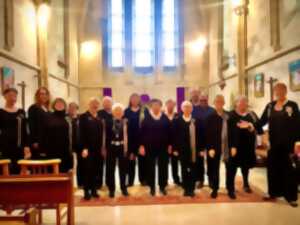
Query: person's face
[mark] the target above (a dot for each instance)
(43, 96)
(156, 108)
(11, 97)
(195, 97)
(203, 100)
(219, 103)
(107, 104)
(242, 105)
(59, 106)
(72, 109)
(170, 107)
(135, 101)
(187, 110)
(118, 113)
(94, 106)
(280, 92)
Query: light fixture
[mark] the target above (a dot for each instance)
(198, 46)
(43, 15)
(239, 7)
(89, 48)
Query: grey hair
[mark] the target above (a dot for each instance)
(186, 103)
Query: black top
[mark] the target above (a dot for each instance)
(107, 116)
(213, 132)
(243, 139)
(155, 134)
(56, 135)
(284, 125)
(183, 140)
(37, 118)
(13, 133)
(172, 123)
(91, 132)
(75, 135)
(114, 132)
(133, 118)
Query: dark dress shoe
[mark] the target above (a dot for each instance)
(125, 193)
(152, 192)
(294, 204)
(111, 194)
(87, 196)
(192, 194)
(163, 192)
(200, 185)
(214, 194)
(95, 194)
(186, 194)
(231, 195)
(247, 189)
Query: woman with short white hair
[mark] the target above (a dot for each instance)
(117, 149)
(188, 147)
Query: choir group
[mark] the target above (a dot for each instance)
(196, 138)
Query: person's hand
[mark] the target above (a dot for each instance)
(233, 152)
(202, 154)
(211, 153)
(243, 124)
(175, 153)
(297, 149)
(103, 153)
(35, 145)
(170, 150)
(142, 151)
(131, 157)
(27, 153)
(85, 153)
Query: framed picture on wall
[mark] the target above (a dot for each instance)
(294, 71)
(259, 85)
(7, 77)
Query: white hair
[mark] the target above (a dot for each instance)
(107, 98)
(240, 98)
(118, 106)
(219, 96)
(94, 99)
(186, 103)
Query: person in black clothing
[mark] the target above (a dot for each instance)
(117, 150)
(92, 136)
(188, 145)
(172, 116)
(155, 140)
(37, 117)
(282, 116)
(73, 115)
(58, 136)
(132, 114)
(105, 114)
(243, 127)
(216, 142)
(13, 133)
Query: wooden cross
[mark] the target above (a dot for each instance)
(271, 82)
(23, 87)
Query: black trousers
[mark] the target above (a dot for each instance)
(100, 164)
(90, 171)
(159, 157)
(213, 171)
(116, 153)
(174, 166)
(79, 170)
(142, 168)
(282, 174)
(231, 169)
(131, 172)
(200, 169)
(189, 175)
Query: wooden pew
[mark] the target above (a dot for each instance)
(41, 191)
(4, 165)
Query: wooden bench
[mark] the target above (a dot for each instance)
(39, 189)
